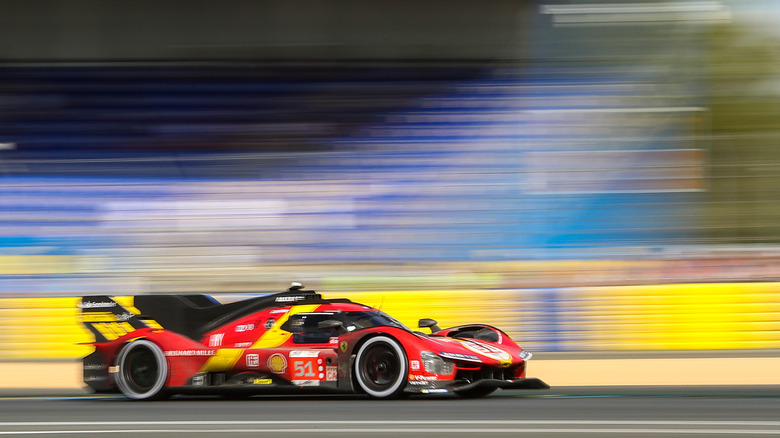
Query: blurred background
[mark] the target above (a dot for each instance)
(588, 175)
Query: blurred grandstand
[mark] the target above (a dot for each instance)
(160, 177)
(532, 146)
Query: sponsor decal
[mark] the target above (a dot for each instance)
(215, 340)
(414, 365)
(434, 391)
(269, 323)
(289, 299)
(125, 317)
(419, 377)
(280, 311)
(244, 328)
(343, 346)
(332, 374)
(277, 363)
(525, 355)
(95, 367)
(253, 360)
(93, 378)
(189, 353)
(487, 350)
(333, 341)
(306, 382)
(262, 382)
(304, 353)
(242, 344)
(105, 317)
(97, 304)
(199, 380)
(460, 356)
(418, 383)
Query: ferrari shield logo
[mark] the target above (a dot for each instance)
(343, 346)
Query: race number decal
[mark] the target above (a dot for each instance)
(307, 368)
(487, 350)
(303, 369)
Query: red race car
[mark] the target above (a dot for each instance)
(152, 346)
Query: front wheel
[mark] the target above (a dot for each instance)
(380, 367)
(143, 370)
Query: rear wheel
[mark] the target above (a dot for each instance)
(380, 367)
(143, 370)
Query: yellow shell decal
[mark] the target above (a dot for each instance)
(277, 363)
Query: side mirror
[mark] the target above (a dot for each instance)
(330, 324)
(430, 323)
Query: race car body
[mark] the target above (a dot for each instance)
(152, 346)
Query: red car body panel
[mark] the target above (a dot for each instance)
(287, 342)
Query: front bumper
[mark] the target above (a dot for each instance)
(443, 387)
(522, 383)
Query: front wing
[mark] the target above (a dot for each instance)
(521, 383)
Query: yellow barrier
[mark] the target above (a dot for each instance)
(42, 328)
(683, 316)
(661, 317)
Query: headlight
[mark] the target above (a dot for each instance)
(433, 363)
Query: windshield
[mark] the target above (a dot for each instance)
(366, 319)
(306, 329)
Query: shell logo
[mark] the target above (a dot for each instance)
(277, 363)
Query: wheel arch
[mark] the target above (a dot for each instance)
(159, 388)
(360, 343)
(353, 355)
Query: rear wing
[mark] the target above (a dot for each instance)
(193, 316)
(108, 318)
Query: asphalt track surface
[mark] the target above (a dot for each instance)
(560, 412)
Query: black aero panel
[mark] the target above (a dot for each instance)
(195, 315)
(107, 319)
(96, 374)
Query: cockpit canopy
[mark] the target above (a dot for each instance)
(308, 327)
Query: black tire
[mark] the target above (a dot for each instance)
(476, 392)
(143, 371)
(381, 367)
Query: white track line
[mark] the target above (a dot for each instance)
(394, 422)
(373, 431)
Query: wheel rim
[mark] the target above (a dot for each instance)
(142, 369)
(380, 367)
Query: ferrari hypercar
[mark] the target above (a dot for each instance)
(152, 346)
